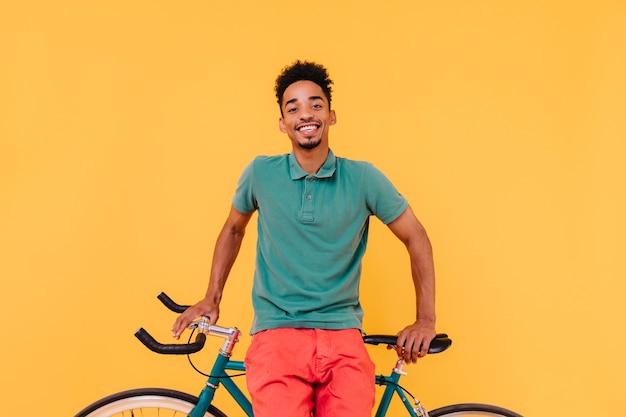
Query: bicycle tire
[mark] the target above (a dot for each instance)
(148, 401)
(472, 409)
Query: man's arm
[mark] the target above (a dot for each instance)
(226, 251)
(413, 340)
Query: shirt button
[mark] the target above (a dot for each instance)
(309, 196)
(311, 179)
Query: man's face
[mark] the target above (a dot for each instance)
(306, 115)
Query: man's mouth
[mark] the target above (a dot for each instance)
(309, 127)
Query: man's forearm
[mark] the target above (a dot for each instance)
(423, 272)
(226, 250)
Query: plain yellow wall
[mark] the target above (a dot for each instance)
(124, 126)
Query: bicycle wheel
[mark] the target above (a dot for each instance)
(146, 402)
(470, 410)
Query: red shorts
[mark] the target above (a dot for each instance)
(296, 372)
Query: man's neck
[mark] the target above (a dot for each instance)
(311, 160)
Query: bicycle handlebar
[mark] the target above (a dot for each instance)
(173, 348)
(231, 335)
(440, 343)
(169, 303)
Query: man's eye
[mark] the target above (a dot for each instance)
(291, 110)
(317, 106)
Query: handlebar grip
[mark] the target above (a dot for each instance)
(170, 349)
(169, 303)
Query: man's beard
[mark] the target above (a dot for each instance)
(310, 144)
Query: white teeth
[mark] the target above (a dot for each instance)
(307, 128)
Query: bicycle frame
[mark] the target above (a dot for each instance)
(223, 364)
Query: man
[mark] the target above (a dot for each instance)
(307, 354)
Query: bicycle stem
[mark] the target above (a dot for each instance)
(230, 335)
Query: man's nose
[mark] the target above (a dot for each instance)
(305, 114)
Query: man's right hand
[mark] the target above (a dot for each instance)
(202, 308)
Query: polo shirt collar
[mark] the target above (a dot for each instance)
(326, 171)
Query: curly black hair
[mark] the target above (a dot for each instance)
(302, 71)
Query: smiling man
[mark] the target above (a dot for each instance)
(307, 355)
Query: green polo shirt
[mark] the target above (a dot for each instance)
(312, 234)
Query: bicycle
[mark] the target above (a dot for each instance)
(152, 401)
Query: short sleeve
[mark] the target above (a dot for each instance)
(244, 199)
(383, 199)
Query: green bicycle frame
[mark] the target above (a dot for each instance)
(219, 376)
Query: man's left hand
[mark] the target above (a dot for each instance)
(414, 340)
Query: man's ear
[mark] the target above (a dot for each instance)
(333, 117)
(281, 125)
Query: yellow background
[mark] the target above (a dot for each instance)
(124, 126)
